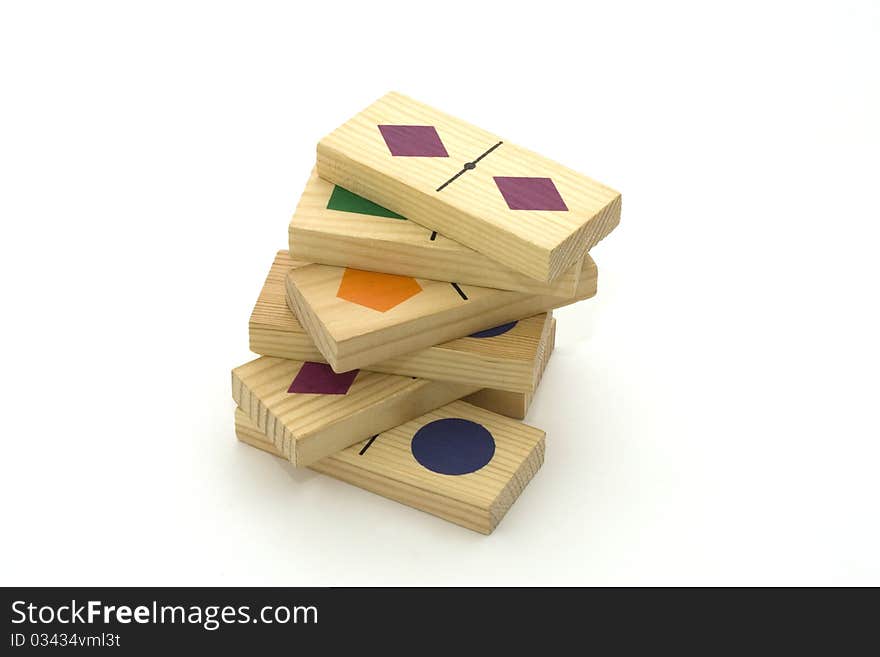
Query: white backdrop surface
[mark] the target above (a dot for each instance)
(711, 413)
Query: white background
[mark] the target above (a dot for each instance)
(711, 413)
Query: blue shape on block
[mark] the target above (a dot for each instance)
(453, 446)
(492, 332)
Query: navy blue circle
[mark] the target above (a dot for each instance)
(453, 446)
(492, 332)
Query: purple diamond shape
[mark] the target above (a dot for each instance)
(530, 193)
(319, 379)
(413, 140)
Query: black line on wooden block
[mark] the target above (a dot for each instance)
(487, 152)
(468, 166)
(367, 446)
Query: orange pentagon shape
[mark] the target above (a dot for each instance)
(375, 290)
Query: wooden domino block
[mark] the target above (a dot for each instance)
(273, 329)
(461, 463)
(309, 411)
(518, 208)
(358, 318)
(332, 226)
(515, 404)
(504, 362)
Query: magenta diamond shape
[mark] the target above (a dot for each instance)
(530, 193)
(320, 379)
(413, 141)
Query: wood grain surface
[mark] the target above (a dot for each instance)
(471, 209)
(350, 334)
(385, 465)
(516, 404)
(307, 427)
(505, 362)
(322, 233)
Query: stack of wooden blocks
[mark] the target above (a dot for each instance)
(403, 334)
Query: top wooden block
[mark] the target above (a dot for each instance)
(519, 208)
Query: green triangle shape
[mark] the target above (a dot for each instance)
(344, 201)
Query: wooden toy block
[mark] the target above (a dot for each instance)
(505, 361)
(515, 404)
(273, 329)
(309, 411)
(461, 463)
(358, 318)
(518, 208)
(332, 226)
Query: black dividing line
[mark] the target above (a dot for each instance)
(469, 166)
(433, 235)
(367, 446)
(487, 152)
(440, 188)
(458, 289)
